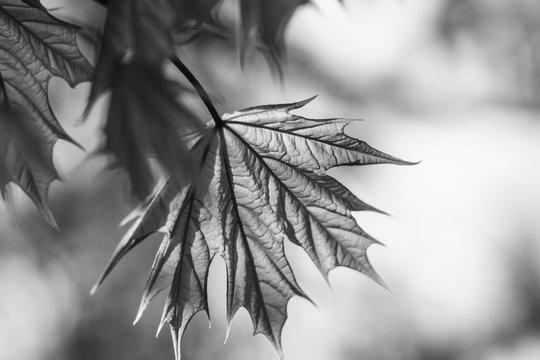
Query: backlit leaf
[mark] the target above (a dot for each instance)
(35, 46)
(262, 182)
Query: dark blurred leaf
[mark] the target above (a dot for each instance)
(135, 30)
(262, 181)
(262, 24)
(35, 47)
(265, 21)
(193, 16)
(147, 120)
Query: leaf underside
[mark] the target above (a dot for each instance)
(262, 181)
(35, 46)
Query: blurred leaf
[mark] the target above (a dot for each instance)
(145, 117)
(265, 21)
(193, 16)
(262, 181)
(262, 24)
(147, 120)
(35, 47)
(135, 30)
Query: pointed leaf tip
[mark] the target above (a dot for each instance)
(302, 103)
(94, 289)
(140, 311)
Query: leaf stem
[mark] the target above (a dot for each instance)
(199, 88)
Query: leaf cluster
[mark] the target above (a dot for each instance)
(239, 187)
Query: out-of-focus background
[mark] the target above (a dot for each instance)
(453, 83)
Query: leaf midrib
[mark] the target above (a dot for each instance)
(229, 176)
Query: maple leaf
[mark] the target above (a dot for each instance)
(262, 181)
(262, 23)
(194, 16)
(35, 46)
(137, 30)
(265, 20)
(145, 118)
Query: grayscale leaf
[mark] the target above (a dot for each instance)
(35, 47)
(265, 21)
(146, 120)
(262, 23)
(262, 182)
(194, 16)
(145, 117)
(136, 30)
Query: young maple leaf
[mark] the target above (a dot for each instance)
(265, 21)
(146, 120)
(262, 181)
(138, 30)
(35, 47)
(262, 22)
(145, 117)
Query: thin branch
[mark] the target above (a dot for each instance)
(199, 88)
